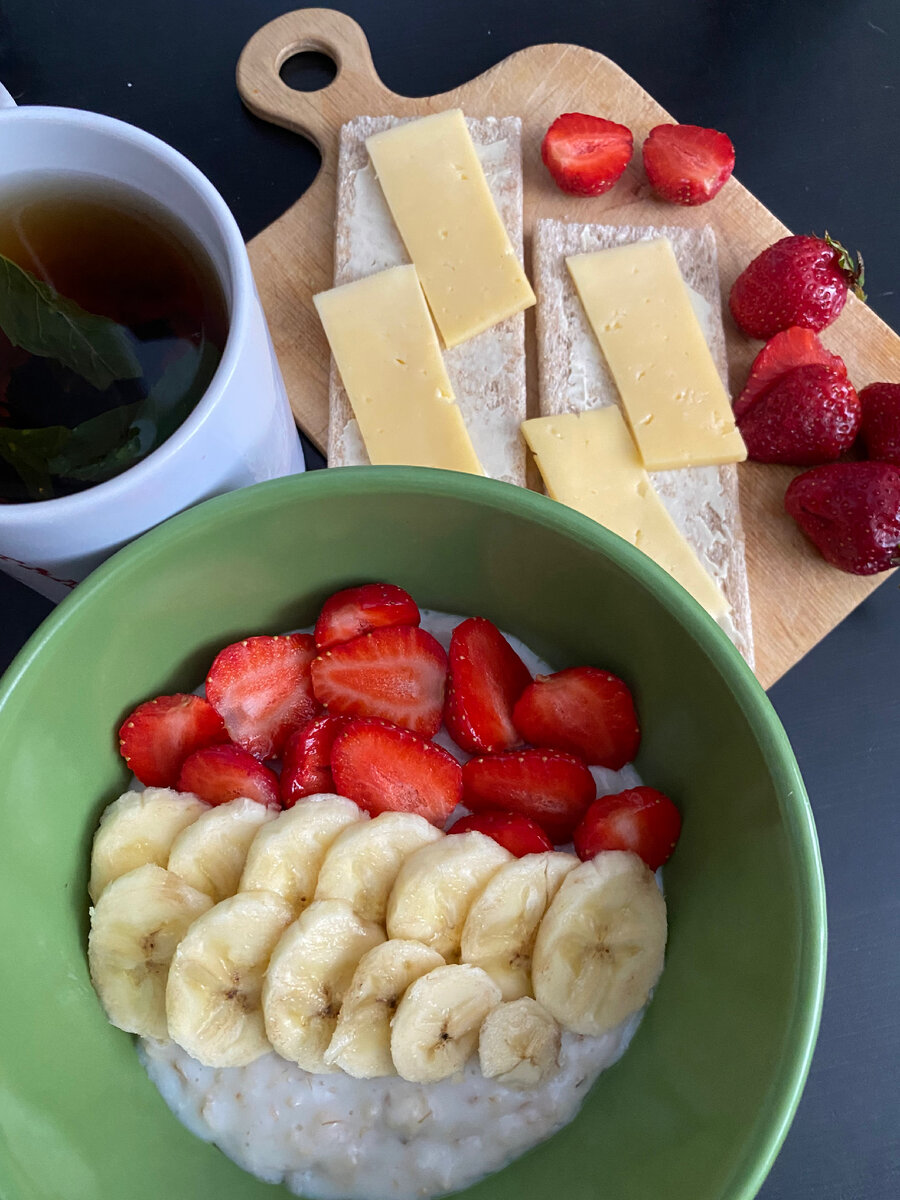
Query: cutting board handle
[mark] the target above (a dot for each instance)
(317, 115)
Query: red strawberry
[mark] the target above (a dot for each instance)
(159, 735)
(809, 415)
(687, 164)
(396, 673)
(639, 819)
(851, 511)
(486, 679)
(880, 430)
(794, 347)
(387, 769)
(218, 774)
(800, 280)
(261, 689)
(551, 788)
(517, 834)
(584, 711)
(586, 155)
(357, 610)
(306, 759)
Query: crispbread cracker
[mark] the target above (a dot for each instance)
(573, 376)
(487, 372)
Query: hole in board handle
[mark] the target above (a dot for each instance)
(308, 71)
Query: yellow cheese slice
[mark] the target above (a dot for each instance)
(440, 201)
(675, 402)
(387, 353)
(588, 460)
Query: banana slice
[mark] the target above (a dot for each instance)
(139, 828)
(364, 860)
(435, 1029)
(361, 1044)
(600, 948)
(210, 853)
(499, 932)
(213, 1004)
(518, 1044)
(435, 887)
(310, 970)
(135, 926)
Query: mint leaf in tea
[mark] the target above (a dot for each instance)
(112, 324)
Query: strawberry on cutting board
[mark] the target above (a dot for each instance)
(586, 155)
(517, 834)
(639, 819)
(851, 512)
(550, 788)
(486, 678)
(799, 280)
(262, 690)
(687, 164)
(158, 736)
(809, 415)
(396, 673)
(306, 759)
(357, 610)
(387, 769)
(583, 711)
(880, 429)
(218, 774)
(794, 347)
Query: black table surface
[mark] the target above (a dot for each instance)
(809, 92)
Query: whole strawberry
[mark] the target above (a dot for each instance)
(794, 347)
(851, 512)
(809, 415)
(800, 280)
(880, 429)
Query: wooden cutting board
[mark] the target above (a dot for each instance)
(797, 598)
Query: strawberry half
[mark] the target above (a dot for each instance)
(261, 688)
(640, 819)
(517, 834)
(687, 164)
(583, 711)
(387, 769)
(306, 759)
(158, 736)
(486, 679)
(794, 347)
(397, 673)
(851, 512)
(358, 610)
(809, 415)
(218, 774)
(586, 155)
(880, 430)
(799, 280)
(552, 789)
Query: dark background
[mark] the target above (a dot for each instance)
(809, 92)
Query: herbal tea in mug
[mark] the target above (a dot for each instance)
(112, 324)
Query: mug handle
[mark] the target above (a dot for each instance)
(6, 100)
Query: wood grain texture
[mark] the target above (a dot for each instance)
(797, 598)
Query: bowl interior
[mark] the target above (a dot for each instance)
(699, 1105)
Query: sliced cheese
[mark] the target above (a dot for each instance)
(637, 304)
(387, 353)
(435, 188)
(588, 460)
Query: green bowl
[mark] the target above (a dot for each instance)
(697, 1108)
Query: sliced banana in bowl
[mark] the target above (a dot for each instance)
(361, 1045)
(519, 1044)
(600, 948)
(310, 970)
(210, 853)
(213, 995)
(135, 927)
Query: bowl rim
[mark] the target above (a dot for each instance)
(705, 632)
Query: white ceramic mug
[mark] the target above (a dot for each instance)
(242, 430)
